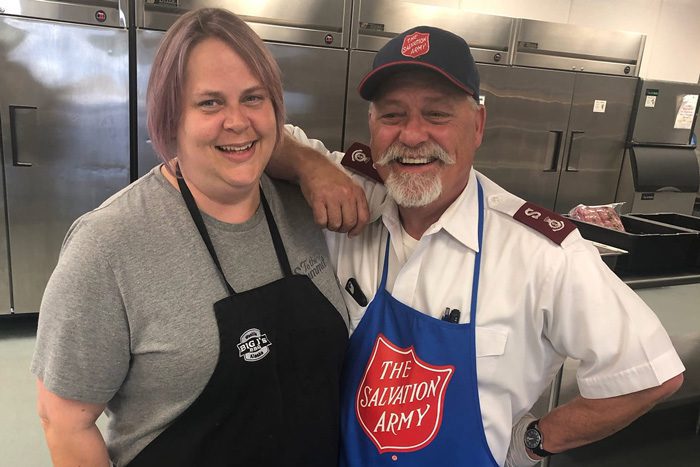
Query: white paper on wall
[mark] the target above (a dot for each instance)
(686, 112)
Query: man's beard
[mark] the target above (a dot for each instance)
(414, 190)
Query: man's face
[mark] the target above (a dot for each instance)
(424, 133)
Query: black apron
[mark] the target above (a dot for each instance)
(273, 399)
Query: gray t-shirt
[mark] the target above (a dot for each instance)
(127, 317)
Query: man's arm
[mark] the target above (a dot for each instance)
(583, 421)
(338, 203)
(70, 430)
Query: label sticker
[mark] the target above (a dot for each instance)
(650, 101)
(172, 3)
(599, 106)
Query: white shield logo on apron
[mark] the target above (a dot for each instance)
(400, 399)
(254, 345)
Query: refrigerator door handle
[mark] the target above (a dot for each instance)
(574, 151)
(13, 134)
(554, 149)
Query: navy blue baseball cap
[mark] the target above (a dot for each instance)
(427, 47)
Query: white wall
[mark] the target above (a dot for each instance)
(672, 27)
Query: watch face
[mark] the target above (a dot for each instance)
(533, 438)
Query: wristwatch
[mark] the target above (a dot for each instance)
(534, 440)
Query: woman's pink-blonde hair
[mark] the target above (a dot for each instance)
(166, 83)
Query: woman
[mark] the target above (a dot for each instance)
(127, 323)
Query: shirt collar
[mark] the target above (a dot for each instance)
(460, 219)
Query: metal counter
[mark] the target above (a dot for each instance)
(678, 309)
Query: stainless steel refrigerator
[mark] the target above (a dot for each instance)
(65, 130)
(557, 119)
(547, 141)
(309, 40)
(558, 97)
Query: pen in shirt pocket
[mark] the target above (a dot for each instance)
(353, 288)
(451, 315)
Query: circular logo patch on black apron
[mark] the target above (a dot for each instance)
(254, 345)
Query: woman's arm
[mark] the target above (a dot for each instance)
(70, 430)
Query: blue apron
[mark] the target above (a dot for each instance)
(409, 393)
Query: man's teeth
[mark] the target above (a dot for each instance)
(236, 148)
(414, 160)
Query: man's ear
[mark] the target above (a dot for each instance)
(479, 125)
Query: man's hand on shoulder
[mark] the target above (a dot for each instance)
(337, 202)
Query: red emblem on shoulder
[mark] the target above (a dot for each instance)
(416, 44)
(548, 223)
(358, 157)
(400, 400)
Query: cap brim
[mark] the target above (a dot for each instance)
(372, 80)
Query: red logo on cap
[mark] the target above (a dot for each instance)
(400, 399)
(416, 44)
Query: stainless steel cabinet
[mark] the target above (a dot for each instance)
(309, 43)
(314, 90)
(527, 113)
(356, 108)
(552, 137)
(592, 160)
(556, 121)
(65, 141)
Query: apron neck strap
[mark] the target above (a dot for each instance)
(477, 258)
(385, 268)
(281, 253)
(204, 233)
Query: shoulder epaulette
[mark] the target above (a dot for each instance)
(358, 158)
(548, 223)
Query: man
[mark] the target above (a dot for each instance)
(464, 299)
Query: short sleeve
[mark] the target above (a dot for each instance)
(300, 136)
(82, 350)
(595, 318)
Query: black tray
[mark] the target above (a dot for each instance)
(653, 247)
(674, 219)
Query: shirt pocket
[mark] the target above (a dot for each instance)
(490, 347)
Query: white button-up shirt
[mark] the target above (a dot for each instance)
(538, 302)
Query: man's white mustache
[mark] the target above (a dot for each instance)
(427, 150)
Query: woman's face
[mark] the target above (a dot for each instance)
(227, 126)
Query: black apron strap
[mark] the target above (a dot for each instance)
(202, 229)
(276, 238)
(199, 222)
